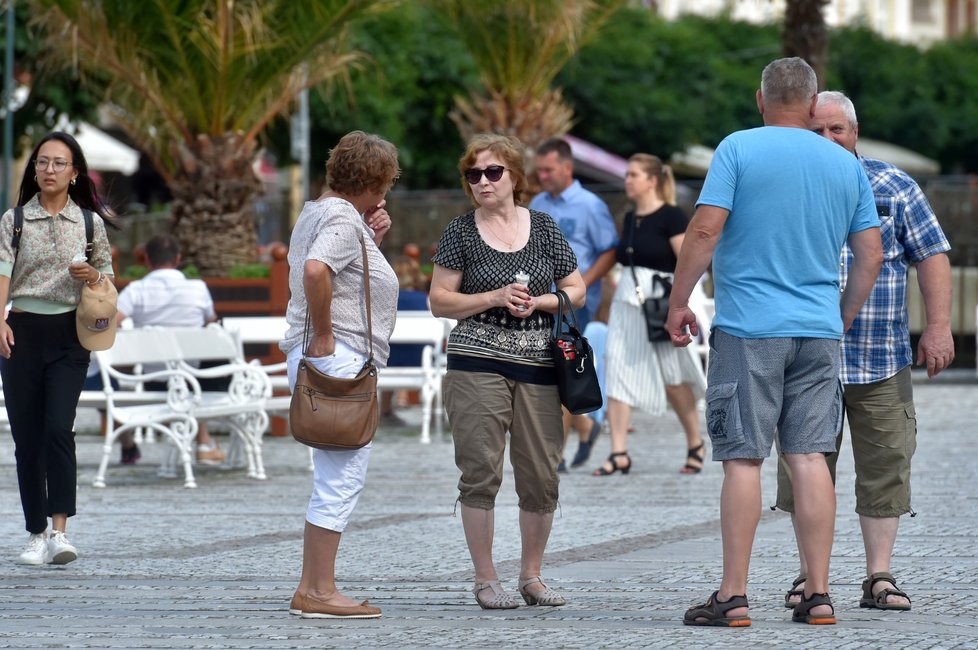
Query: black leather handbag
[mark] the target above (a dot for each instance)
(577, 380)
(656, 310)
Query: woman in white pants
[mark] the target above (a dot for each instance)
(326, 278)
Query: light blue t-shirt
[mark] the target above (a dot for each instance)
(794, 197)
(586, 223)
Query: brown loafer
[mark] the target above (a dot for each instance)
(295, 605)
(312, 607)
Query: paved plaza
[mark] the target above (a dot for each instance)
(166, 567)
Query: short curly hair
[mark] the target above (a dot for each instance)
(361, 162)
(509, 149)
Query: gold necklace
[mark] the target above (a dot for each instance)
(509, 244)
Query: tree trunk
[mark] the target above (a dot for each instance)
(805, 34)
(214, 191)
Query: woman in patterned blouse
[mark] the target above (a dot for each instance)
(44, 364)
(500, 376)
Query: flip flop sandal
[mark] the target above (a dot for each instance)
(869, 601)
(802, 613)
(795, 591)
(714, 612)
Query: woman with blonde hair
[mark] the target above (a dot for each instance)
(641, 374)
(494, 270)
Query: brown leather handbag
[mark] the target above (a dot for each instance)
(332, 412)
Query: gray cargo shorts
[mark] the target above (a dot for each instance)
(759, 387)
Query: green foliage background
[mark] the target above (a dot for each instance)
(642, 85)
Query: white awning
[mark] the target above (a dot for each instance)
(909, 161)
(103, 152)
(695, 159)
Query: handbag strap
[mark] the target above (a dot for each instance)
(630, 251)
(366, 293)
(561, 317)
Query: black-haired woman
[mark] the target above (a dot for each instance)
(44, 365)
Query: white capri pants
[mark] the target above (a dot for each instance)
(338, 476)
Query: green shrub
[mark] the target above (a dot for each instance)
(133, 272)
(250, 271)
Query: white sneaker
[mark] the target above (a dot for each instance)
(59, 550)
(36, 551)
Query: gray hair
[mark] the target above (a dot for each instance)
(788, 81)
(840, 100)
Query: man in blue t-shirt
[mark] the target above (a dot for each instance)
(776, 208)
(581, 215)
(587, 225)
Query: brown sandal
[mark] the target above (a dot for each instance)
(795, 591)
(714, 612)
(869, 601)
(802, 613)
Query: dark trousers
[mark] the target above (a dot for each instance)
(42, 380)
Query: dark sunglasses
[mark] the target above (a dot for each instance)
(493, 173)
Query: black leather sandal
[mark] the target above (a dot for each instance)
(601, 471)
(696, 454)
(714, 612)
(802, 613)
(869, 601)
(795, 592)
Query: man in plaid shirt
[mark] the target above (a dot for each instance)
(876, 357)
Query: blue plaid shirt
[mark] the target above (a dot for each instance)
(878, 344)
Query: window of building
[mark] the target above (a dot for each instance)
(922, 11)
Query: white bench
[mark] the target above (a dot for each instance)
(411, 328)
(173, 413)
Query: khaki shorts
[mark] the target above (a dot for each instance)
(883, 429)
(482, 408)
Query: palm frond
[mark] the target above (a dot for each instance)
(182, 68)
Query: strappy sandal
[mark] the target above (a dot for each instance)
(601, 471)
(869, 601)
(501, 599)
(795, 591)
(714, 612)
(545, 596)
(802, 613)
(696, 454)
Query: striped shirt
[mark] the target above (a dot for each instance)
(877, 346)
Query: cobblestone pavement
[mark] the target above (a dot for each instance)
(166, 567)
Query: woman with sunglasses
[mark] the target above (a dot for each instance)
(44, 365)
(494, 270)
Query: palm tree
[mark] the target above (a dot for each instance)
(805, 34)
(194, 83)
(519, 46)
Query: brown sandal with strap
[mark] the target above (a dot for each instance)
(869, 601)
(802, 613)
(795, 591)
(714, 612)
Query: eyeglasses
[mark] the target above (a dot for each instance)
(41, 164)
(493, 173)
